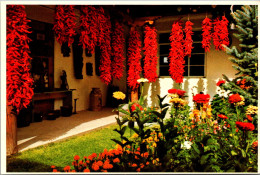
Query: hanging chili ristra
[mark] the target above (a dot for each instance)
(19, 83)
(188, 39)
(118, 41)
(176, 55)
(150, 53)
(134, 56)
(206, 34)
(88, 28)
(64, 25)
(220, 35)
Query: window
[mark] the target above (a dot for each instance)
(194, 66)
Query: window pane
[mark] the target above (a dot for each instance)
(196, 70)
(164, 38)
(197, 59)
(164, 60)
(164, 71)
(186, 71)
(197, 48)
(197, 36)
(186, 60)
(164, 49)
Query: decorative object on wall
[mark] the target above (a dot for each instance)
(150, 53)
(77, 58)
(19, 82)
(134, 57)
(88, 28)
(220, 34)
(206, 35)
(105, 52)
(101, 20)
(176, 55)
(64, 82)
(64, 27)
(89, 69)
(118, 41)
(188, 38)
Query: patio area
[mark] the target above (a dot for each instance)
(48, 131)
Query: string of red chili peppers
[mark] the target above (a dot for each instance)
(118, 41)
(19, 83)
(150, 53)
(64, 25)
(134, 56)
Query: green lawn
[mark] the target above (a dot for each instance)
(62, 153)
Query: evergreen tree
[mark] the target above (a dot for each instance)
(246, 57)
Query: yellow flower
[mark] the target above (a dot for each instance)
(251, 110)
(203, 116)
(119, 95)
(191, 116)
(173, 95)
(242, 102)
(134, 135)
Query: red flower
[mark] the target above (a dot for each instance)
(53, 166)
(222, 116)
(86, 170)
(245, 126)
(55, 170)
(188, 39)
(150, 53)
(65, 25)
(249, 118)
(19, 83)
(220, 35)
(220, 82)
(76, 157)
(88, 27)
(67, 168)
(116, 160)
(107, 165)
(179, 92)
(133, 107)
(201, 98)
(95, 166)
(234, 98)
(255, 145)
(176, 55)
(134, 57)
(206, 35)
(118, 41)
(99, 163)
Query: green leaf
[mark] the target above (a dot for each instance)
(196, 148)
(243, 153)
(204, 158)
(233, 153)
(123, 111)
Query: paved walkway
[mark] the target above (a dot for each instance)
(48, 131)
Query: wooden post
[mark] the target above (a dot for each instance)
(11, 131)
(134, 95)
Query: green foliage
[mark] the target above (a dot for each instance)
(245, 59)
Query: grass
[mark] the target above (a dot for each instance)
(62, 153)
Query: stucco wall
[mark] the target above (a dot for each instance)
(83, 86)
(217, 63)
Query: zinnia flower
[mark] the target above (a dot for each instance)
(201, 98)
(179, 92)
(53, 166)
(222, 116)
(245, 126)
(234, 98)
(67, 168)
(251, 110)
(76, 157)
(95, 166)
(133, 107)
(220, 82)
(249, 118)
(116, 160)
(119, 95)
(86, 170)
(255, 145)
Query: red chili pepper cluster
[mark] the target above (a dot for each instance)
(150, 53)
(220, 82)
(234, 98)
(118, 41)
(206, 35)
(245, 126)
(105, 49)
(19, 83)
(201, 98)
(243, 84)
(188, 39)
(64, 25)
(88, 28)
(134, 56)
(101, 20)
(220, 35)
(176, 55)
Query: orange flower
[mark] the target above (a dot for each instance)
(138, 169)
(196, 112)
(116, 160)
(249, 118)
(53, 166)
(95, 167)
(73, 171)
(107, 165)
(104, 170)
(147, 163)
(54, 170)
(76, 157)
(99, 163)
(86, 170)
(134, 165)
(67, 168)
